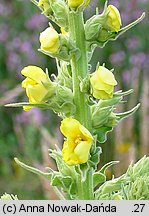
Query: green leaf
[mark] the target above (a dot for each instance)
(63, 168)
(98, 178)
(107, 165)
(110, 102)
(43, 105)
(121, 116)
(102, 133)
(112, 185)
(131, 25)
(33, 170)
(56, 181)
(121, 93)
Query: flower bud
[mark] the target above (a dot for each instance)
(45, 5)
(77, 3)
(49, 40)
(38, 87)
(102, 83)
(113, 22)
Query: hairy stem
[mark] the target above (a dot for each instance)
(79, 65)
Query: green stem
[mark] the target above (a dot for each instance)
(79, 65)
(85, 190)
(79, 68)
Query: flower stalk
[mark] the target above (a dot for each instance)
(79, 67)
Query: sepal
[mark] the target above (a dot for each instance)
(121, 116)
(64, 77)
(65, 51)
(66, 176)
(100, 116)
(60, 12)
(104, 119)
(95, 157)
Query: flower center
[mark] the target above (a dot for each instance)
(78, 140)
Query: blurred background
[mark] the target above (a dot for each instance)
(29, 135)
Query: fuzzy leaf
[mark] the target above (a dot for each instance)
(100, 177)
(121, 116)
(43, 105)
(102, 133)
(107, 165)
(33, 170)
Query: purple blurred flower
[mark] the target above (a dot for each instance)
(25, 47)
(35, 21)
(126, 76)
(3, 33)
(138, 59)
(116, 3)
(125, 17)
(33, 116)
(135, 71)
(132, 43)
(136, 14)
(146, 63)
(13, 60)
(117, 58)
(5, 9)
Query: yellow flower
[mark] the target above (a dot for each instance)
(35, 90)
(77, 146)
(123, 148)
(77, 3)
(102, 83)
(49, 40)
(113, 19)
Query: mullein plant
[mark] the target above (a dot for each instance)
(85, 100)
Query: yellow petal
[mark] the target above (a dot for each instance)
(70, 127)
(49, 40)
(106, 76)
(82, 151)
(86, 135)
(68, 153)
(36, 94)
(98, 84)
(100, 94)
(35, 73)
(27, 108)
(114, 19)
(27, 82)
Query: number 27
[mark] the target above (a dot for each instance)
(139, 207)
